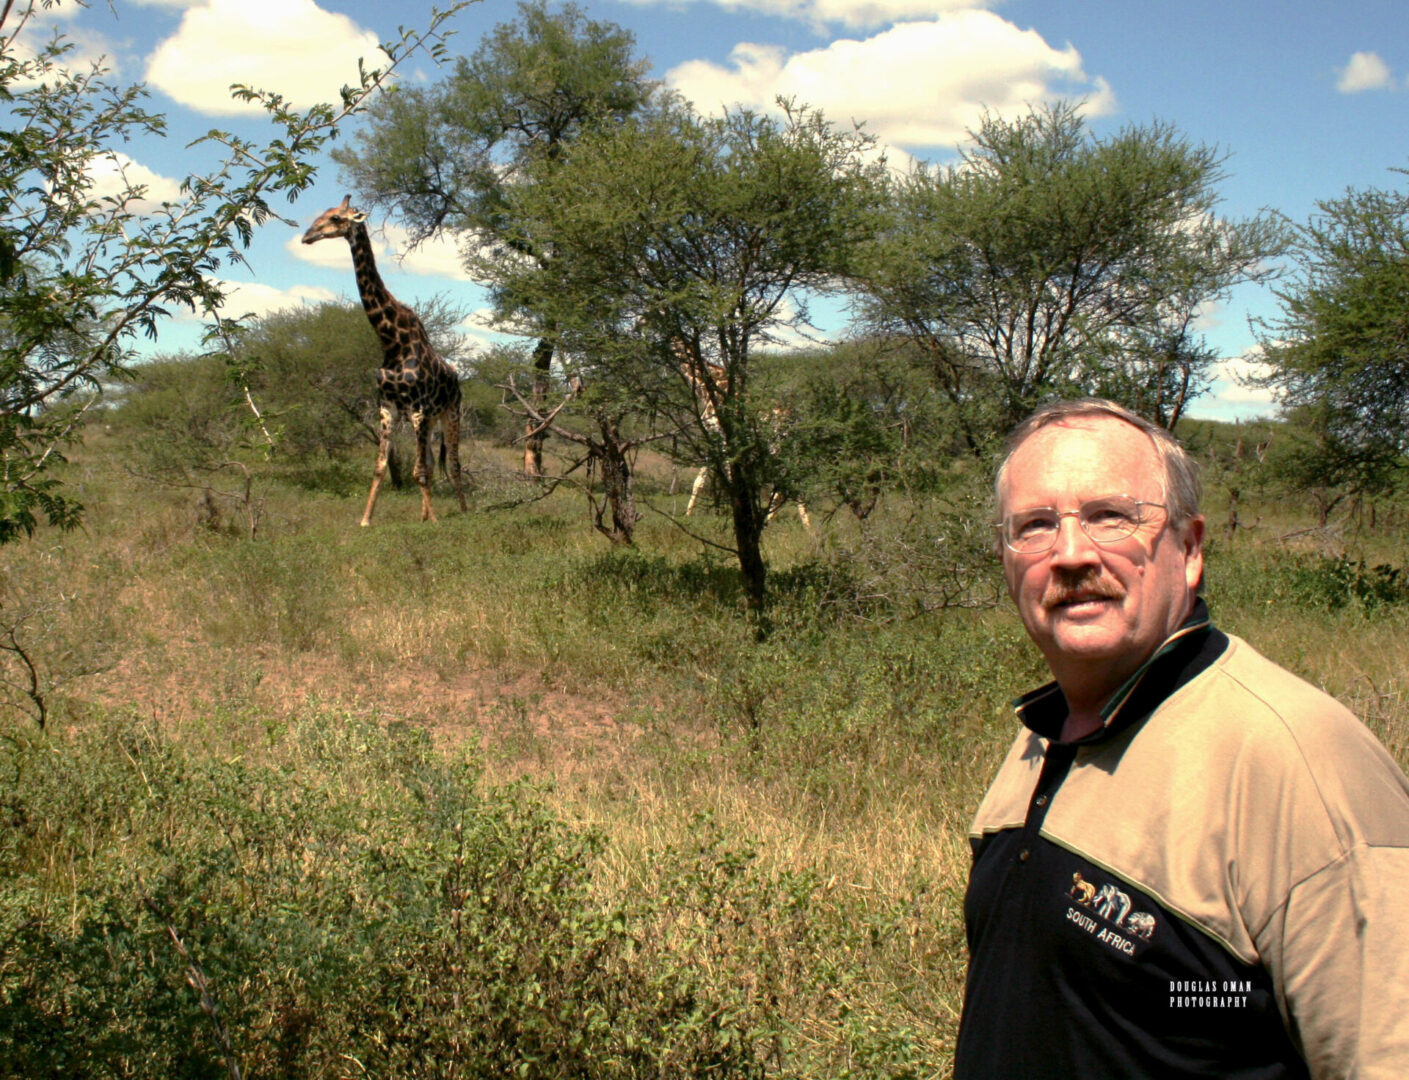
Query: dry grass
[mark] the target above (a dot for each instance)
(630, 690)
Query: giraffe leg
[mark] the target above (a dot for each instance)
(700, 482)
(450, 445)
(804, 516)
(775, 503)
(388, 417)
(422, 472)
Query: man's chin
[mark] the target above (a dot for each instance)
(1086, 636)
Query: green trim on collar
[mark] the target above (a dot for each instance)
(1045, 709)
(1122, 694)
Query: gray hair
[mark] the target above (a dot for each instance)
(1181, 474)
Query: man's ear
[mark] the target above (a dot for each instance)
(1192, 538)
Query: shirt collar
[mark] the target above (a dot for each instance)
(1185, 653)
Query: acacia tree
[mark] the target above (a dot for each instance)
(1339, 351)
(685, 243)
(601, 422)
(84, 275)
(1048, 262)
(443, 158)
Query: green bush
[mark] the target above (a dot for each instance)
(1308, 582)
(345, 895)
(1332, 583)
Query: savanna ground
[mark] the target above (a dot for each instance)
(485, 797)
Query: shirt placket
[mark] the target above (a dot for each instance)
(1056, 764)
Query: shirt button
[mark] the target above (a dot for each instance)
(1041, 800)
(1024, 855)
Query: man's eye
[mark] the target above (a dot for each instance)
(1111, 514)
(1108, 515)
(1034, 524)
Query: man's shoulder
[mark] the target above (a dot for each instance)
(1257, 719)
(1004, 804)
(1245, 697)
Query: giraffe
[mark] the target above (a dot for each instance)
(413, 380)
(707, 390)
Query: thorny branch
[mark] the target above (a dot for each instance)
(201, 985)
(11, 644)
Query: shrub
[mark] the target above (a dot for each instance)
(348, 895)
(1308, 582)
(1333, 582)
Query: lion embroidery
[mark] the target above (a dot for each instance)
(1082, 891)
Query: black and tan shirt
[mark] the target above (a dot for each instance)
(1215, 884)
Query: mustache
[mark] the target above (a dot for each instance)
(1081, 587)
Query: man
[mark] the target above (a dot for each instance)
(1191, 862)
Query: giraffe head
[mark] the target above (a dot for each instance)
(338, 221)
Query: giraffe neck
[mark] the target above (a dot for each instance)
(377, 301)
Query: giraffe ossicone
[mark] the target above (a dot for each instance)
(414, 382)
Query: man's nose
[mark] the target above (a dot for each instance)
(1073, 547)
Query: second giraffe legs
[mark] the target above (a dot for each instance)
(422, 472)
(700, 481)
(450, 431)
(383, 450)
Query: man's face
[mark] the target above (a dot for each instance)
(1098, 611)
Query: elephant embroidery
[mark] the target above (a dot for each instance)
(1110, 900)
(1081, 891)
(1141, 924)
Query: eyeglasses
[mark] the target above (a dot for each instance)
(1106, 520)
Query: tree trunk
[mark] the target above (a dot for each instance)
(749, 520)
(533, 441)
(616, 485)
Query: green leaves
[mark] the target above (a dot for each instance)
(440, 156)
(349, 893)
(1050, 263)
(682, 244)
(1339, 351)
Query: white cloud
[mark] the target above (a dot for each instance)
(252, 298)
(1210, 316)
(439, 257)
(292, 47)
(1232, 395)
(478, 328)
(115, 173)
(915, 84)
(796, 338)
(87, 47)
(1365, 71)
(330, 254)
(391, 248)
(854, 13)
(1236, 374)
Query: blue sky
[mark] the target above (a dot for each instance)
(1306, 98)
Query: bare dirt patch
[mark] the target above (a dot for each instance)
(517, 715)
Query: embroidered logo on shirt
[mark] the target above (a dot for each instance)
(1109, 905)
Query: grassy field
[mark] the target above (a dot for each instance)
(484, 797)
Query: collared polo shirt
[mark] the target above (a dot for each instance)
(1215, 883)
